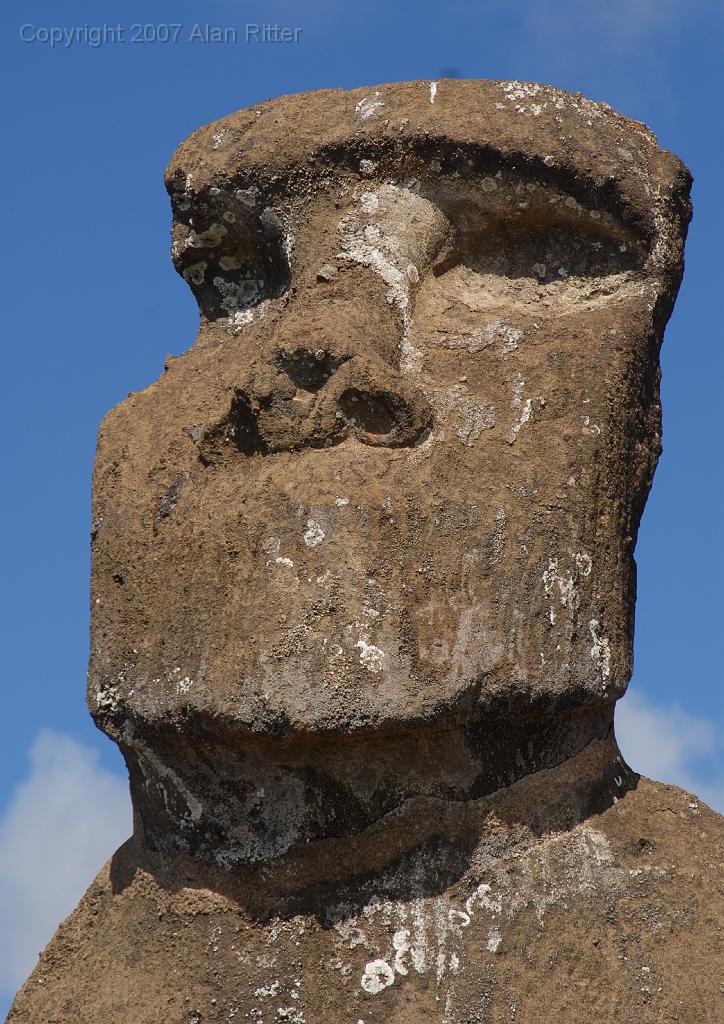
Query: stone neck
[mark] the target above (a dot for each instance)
(309, 810)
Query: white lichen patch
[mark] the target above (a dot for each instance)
(208, 239)
(367, 168)
(494, 940)
(378, 976)
(196, 272)
(240, 318)
(267, 991)
(600, 650)
(584, 563)
(589, 427)
(271, 546)
(561, 585)
(485, 898)
(476, 339)
(510, 336)
(291, 1014)
(522, 409)
(184, 685)
(314, 534)
(108, 697)
(369, 202)
(288, 245)
(554, 578)
(515, 92)
(368, 106)
(458, 918)
(247, 196)
(473, 418)
(370, 656)
(236, 295)
(466, 416)
(401, 944)
(351, 934)
(218, 137)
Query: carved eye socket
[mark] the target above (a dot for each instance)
(231, 254)
(518, 243)
(547, 252)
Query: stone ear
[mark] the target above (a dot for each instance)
(229, 249)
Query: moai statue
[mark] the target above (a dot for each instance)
(363, 584)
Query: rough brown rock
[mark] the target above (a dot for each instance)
(363, 582)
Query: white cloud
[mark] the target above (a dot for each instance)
(670, 745)
(61, 825)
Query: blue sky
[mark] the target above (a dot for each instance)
(93, 306)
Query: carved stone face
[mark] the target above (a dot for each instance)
(398, 478)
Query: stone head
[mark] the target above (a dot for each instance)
(398, 478)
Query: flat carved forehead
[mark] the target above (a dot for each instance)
(586, 149)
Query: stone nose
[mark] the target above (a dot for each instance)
(338, 392)
(317, 398)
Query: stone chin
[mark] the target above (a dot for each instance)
(373, 605)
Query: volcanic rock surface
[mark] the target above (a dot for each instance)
(363, 584)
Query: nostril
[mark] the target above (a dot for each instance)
(368, 412)
(244, 427)
(382, 416)
(308, 369)
(238, 429)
